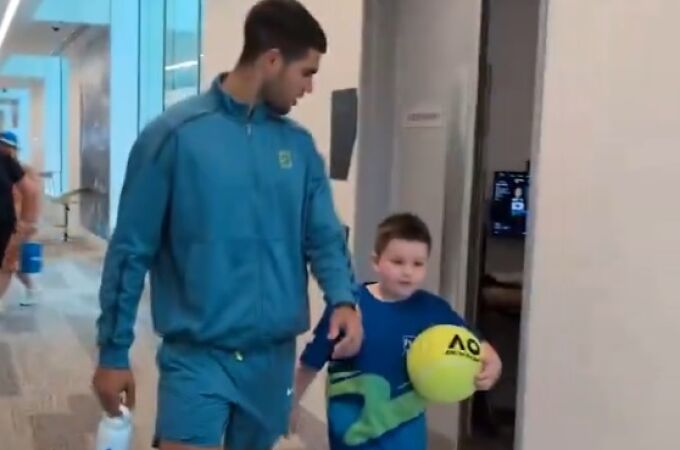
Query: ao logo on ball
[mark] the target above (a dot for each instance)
(442, 363)
(468, 348)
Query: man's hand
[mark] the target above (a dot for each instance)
(110, 385)
(491, 368)
(346, 321)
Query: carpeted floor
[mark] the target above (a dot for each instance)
(47, 355)
(47, 358)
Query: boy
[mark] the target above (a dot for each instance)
(367, 406)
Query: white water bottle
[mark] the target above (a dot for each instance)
(115, 433)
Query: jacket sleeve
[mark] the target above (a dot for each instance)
(319, 350)
(134, 243)
(325, 238)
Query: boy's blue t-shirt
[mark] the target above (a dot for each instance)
(371, 402)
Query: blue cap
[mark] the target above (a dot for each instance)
(9, 139)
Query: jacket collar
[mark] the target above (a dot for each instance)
(233, 107)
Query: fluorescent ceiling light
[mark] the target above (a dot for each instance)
(11, 10)
(182, 65)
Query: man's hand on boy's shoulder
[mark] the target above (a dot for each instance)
(492, 367)
(345, 323)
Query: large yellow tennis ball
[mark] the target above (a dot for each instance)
(442, 363)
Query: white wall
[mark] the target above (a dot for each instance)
(222, 42)
(35, 129)
(72, 54)
(601, 371)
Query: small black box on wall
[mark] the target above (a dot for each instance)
(343, 131)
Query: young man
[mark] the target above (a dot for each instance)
(226, 202)
(12, 175)
(372, 404)
(9, 144)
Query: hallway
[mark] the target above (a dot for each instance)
(47, 355)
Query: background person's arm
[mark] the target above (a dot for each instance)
(29, 190)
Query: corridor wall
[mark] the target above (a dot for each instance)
(602, 297)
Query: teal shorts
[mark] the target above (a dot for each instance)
(212, 398)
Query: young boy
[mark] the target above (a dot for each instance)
(371, 403)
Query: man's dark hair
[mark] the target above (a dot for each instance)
(406, 226)
(282, 24)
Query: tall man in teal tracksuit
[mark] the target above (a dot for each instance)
(226, 202)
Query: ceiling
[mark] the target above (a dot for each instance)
(28, 36)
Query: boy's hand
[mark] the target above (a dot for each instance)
(491, 368)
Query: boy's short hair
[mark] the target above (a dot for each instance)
(282, 24)
(406, 226)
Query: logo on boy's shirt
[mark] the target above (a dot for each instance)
(407, 341)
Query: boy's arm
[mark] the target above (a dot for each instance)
(314, 357)
(492, 365)
(304, 377)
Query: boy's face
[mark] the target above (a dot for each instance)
(401, 268)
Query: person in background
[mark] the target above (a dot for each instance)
(10, 263)
(15, 226)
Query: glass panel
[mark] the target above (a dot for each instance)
(182, 49)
